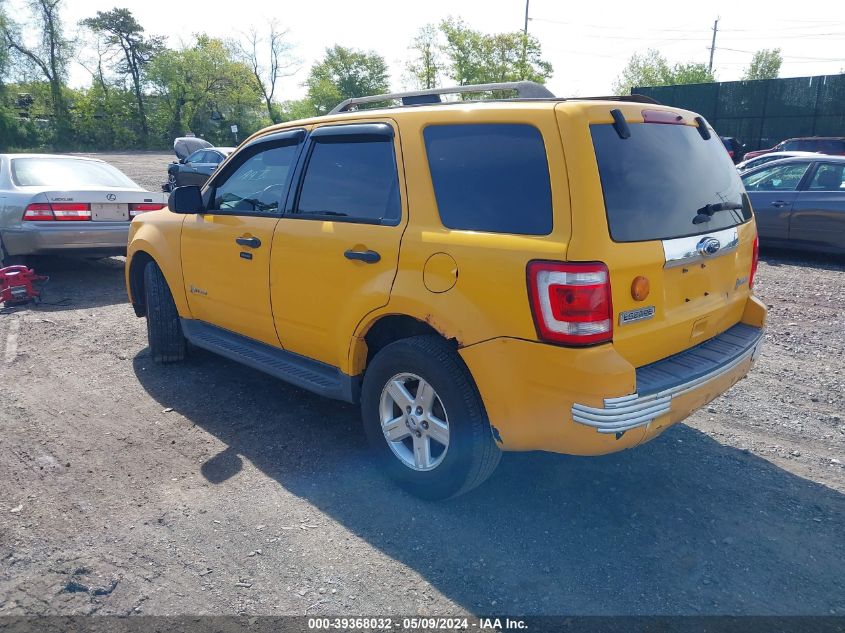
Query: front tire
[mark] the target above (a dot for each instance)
(425, 421)
(164, 330)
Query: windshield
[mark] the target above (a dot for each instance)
(655, 182)
(67, 173)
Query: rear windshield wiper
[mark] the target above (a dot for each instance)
(706, 212)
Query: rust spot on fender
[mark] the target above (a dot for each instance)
(429, 319)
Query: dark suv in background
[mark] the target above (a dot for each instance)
(196, 168)
(736, 149)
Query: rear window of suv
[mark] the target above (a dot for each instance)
(656, 181)
(490, 177)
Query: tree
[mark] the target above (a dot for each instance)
(123, 31)
(345, 73)
(200, 84)
(49, 56)
(280, 62)
(425, 67)
(652, 69)
(475, 57)
(765, 64)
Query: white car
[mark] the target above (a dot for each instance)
(66, 204)
(751, 163)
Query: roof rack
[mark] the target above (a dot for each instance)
(524, 90)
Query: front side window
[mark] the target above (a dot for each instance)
(828, 177)
(259, 182)
(351, 177)
(196, 157)
(490, 177)
(776, 178)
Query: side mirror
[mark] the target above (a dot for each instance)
(186, 200)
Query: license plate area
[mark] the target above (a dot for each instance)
(109, 212)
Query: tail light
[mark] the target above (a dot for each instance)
(39, 212)
(571, 302)
(57, 211)
(136, 208)
(755, 258)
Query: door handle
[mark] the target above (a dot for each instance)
(369, 257)
(252, 242)
(779, 203)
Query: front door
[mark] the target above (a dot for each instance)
(226, 249)
(335, 254)
(773, 191)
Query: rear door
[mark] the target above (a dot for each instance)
(335, 253)
(655, 199)
(818, 214)
(226, 248)
(773, 191)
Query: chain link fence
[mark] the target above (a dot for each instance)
(762, 113)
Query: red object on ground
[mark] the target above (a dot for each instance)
(16, 284)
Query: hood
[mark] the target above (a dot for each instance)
(186, 145)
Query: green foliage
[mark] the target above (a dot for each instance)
(425, 67)
(765, 64)
(652, 69)
(474, 57)
(345, 73)
(203, 90)
(124, 33)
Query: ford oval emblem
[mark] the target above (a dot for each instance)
(708, 246)
(111, 197)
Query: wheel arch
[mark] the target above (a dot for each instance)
(384, 329)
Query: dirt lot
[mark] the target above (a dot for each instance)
(208, 487)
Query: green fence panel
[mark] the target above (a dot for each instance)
(763, 113)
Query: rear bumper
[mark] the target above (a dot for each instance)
(53, 237)
(659, 383)
(592, 401)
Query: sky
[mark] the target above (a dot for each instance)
(588, 43)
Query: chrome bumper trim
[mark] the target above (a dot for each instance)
(628, 412)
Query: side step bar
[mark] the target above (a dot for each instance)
(320, 378)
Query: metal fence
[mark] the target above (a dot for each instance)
(762, 113)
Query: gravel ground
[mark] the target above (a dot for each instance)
(209, 488)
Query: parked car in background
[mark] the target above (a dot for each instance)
(735, 148)
(800, 202)
(751, 163)
(606, 249)
(66, 204)
(196, 168)
(834, 145)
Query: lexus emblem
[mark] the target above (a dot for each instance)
(112, 197)
(708, 246)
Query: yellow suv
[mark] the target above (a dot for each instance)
(515, 274)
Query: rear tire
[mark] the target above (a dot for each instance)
(164, 330)
(457, 456)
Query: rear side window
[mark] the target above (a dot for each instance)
(353, 178)
(828, 177)
(490, 177)
(658, 180)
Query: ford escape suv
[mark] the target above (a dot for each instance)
(517, 274)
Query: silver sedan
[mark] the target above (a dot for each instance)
(66, 204)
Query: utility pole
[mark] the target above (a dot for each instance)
(713, 43)
(525, 42)
(525, 28)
